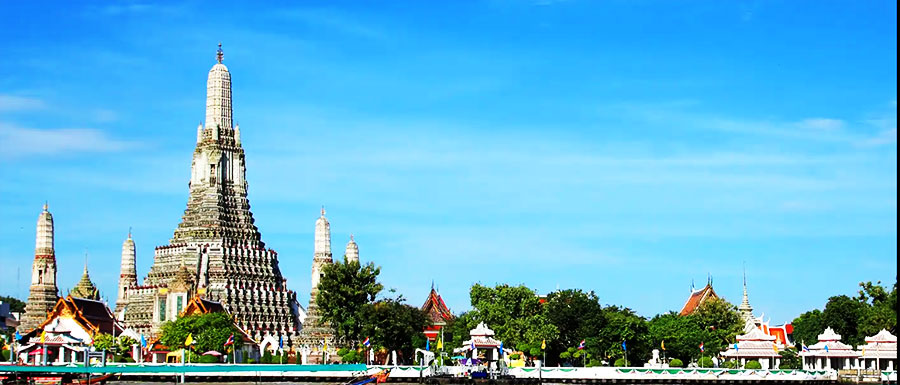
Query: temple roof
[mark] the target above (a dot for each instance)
(85, 288)
(199, 305)
(697, 298)
(755, 335)
(882, 337)
(436, 309)
(829, 335)
(92, 315)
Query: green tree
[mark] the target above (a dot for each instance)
(576, 315)
(719, 322)
(790, 359)
(209, 332)
(344, 289)
(807, 327)
(105, 342)
(681, 334)
(15, 305)
(394, 325)
(621, 324)
(513, 312)
(880, 310)
(457, 330)
(842, 314)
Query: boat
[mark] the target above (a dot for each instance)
(377, 378)
(101, 379)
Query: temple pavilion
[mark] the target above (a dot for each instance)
(481, 346)
(879, 352)
(69, 328)
(438, 314)
(829, 353)
(755, 345)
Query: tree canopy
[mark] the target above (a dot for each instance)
(209, 332)
(344, 290)
(854, 318)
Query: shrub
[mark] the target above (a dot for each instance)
(4, 355)
(343, 351)
(593, 362)
(251, 360)
(732, 364)
(208, 359)
(514, 356)
(753, 364)
(128, 359)
(266, 358)
(705, 362)
(619, 362)
(676, 363)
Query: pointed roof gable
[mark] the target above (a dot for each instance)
(697, 298)
(198, 305)
(91, 315)
(436, 309)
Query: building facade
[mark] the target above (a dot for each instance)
(217, 250)
(44, 292)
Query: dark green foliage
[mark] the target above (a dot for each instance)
(576, 315)
(353, 357)
(344, 289)
(266, 357)
(619, 363)
(807, 327)
(4, 355)
(715, 324)
(209, 331)
(676, 363)
(731, 364)
(513, 312)
(854, 318)
(395, 325)
(15, 305)
(790, 359)
(705, 362)
(752, 364)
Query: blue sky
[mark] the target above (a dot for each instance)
(626, 147)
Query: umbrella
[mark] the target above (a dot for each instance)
(36, 352)
(457, 357)
(212, 353)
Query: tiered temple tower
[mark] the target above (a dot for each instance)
(316, 333)
(85, 288)
(44, 292)
(352, 252)
(128, 274)
(217, 240)
(745, 309)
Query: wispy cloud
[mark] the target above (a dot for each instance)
(333, 20)
(21, 142)
(13, 103)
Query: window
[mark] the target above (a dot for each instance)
(162, 309)
(178, 305)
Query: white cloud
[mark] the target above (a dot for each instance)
(822, 124)
(10, 103)
(20, 141)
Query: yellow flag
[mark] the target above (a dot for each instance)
(863, 351)
(189, 340)
(543, 344)
(326, 345)
(440, 344)
(775, 347)
(43, 335)
(663, 344)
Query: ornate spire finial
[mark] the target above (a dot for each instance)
(351, 237)
(46, 206)
(219, 54)
(129, 232)
(85, 262)
(323, 210)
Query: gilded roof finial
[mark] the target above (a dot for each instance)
(219, 54)
(129, 232)
(46, 206)
(351, 238)
(323, 210)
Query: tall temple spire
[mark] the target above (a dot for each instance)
(218, 97)
(323, 237)
(216, 248)
(44, 292)
(745, 309)
(352, 252)
(127, 274)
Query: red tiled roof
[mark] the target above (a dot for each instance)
(436, 309)
(697, 298)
